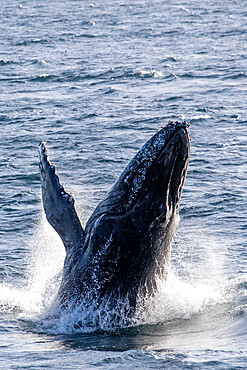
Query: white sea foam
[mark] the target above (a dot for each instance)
(200, 117)
(185, 9)
(150, 73)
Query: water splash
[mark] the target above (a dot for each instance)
(176, 298)
(42, 276)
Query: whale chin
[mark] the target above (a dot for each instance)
(127, 240)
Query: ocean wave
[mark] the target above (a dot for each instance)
(4, 62)
(200, 117)
(99, 77)
(148, 73)
(235, 76)
(28, 42)
(42, 78)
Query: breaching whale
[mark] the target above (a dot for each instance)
(127, 240)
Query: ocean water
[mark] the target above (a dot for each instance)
(95, 80)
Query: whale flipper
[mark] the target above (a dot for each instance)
(58, 204)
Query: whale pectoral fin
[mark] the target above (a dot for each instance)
(58, 204)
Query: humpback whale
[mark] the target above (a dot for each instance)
(127, 240)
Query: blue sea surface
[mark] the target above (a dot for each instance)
(95, 80)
